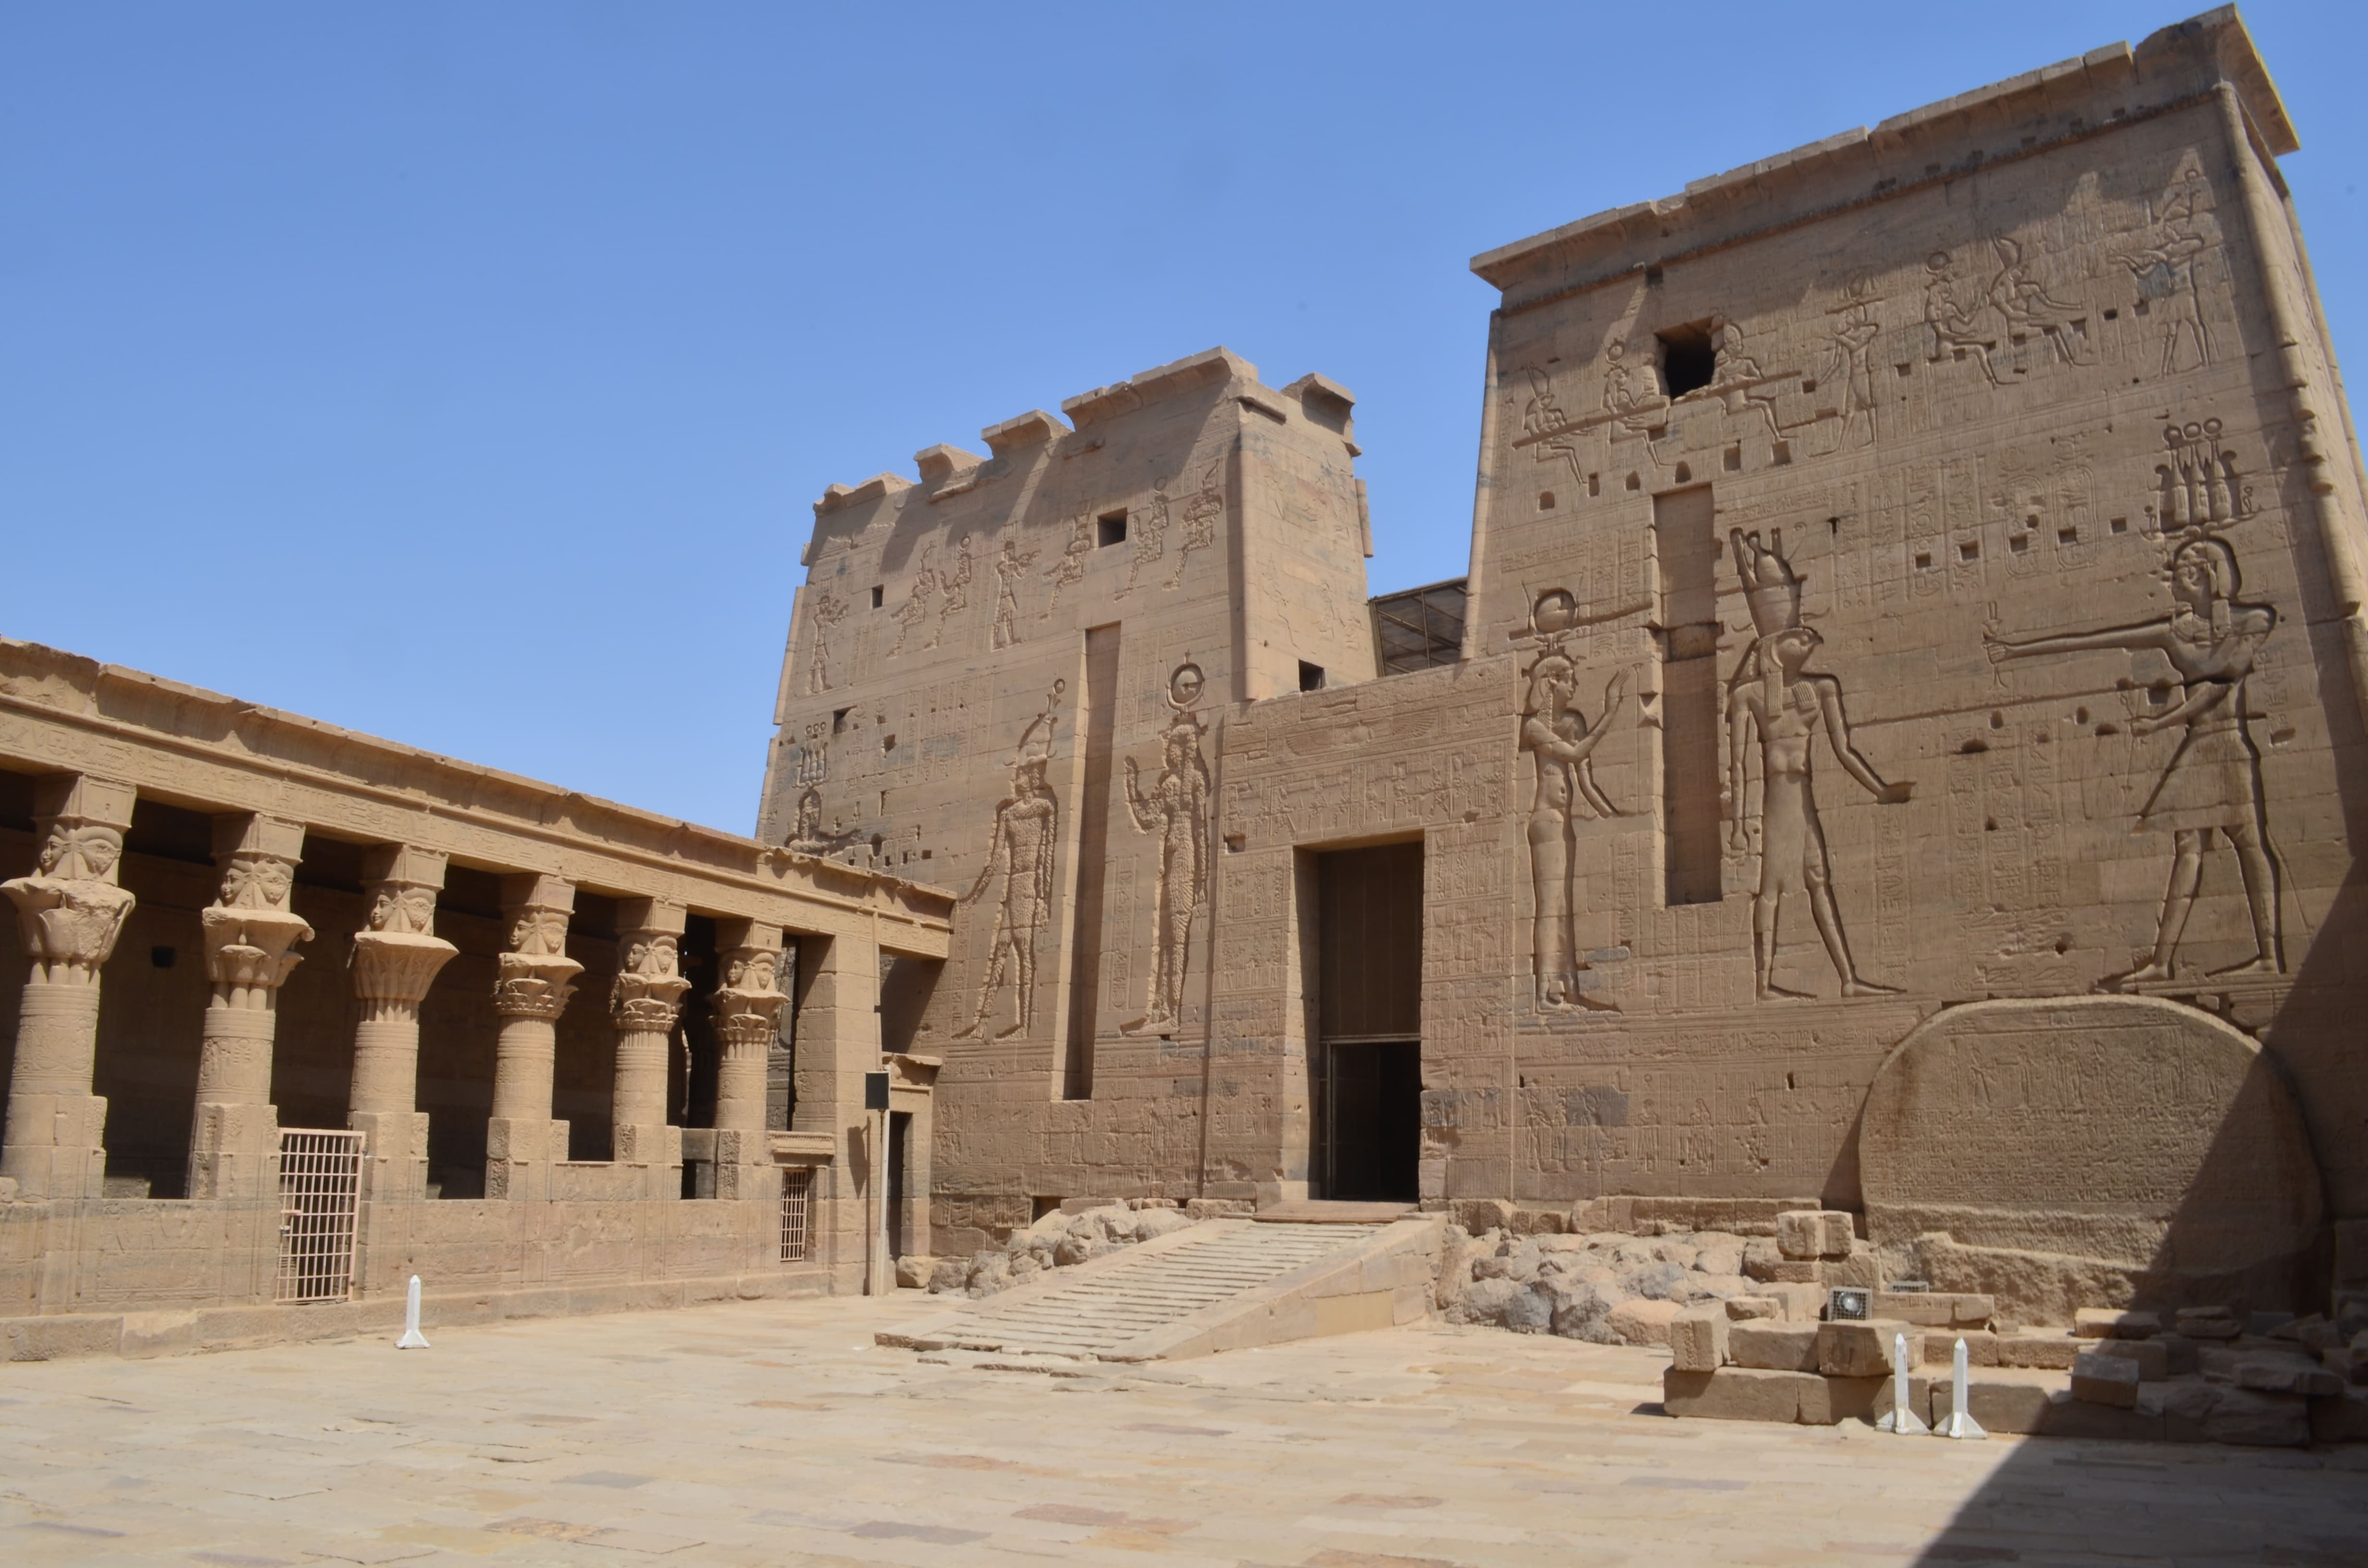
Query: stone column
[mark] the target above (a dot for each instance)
(394, 961)
(644, 1000)
(838, 1042)
(537, 977)
(234, 1137)
(747, 1012)
(71, 912)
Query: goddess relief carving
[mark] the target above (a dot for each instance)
(1175, 806)
(1561, 744)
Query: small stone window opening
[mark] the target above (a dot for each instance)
(1969, 551)
(888, 741)
(1781, 453)
(1109, 530)
(1545, 500)
(2068, 534)
(1688, 359)
(838, 719)
(2019, 544)
(2120, 525)
(1311, 677)
(1734, 457)
(878, 596)
(1923, 560)
(1633, 483)
(1685, 475)
(1595, 484)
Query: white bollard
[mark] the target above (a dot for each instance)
(1902, 1419)
(1961, 1423)
(412, 1338)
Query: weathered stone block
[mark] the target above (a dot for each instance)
(1857, 1349)
(2258, 1419)
(1641, 1321)
(2111, 1323)
(1802, 1302)
(2151, 1357)
(1736, 1394)
(1832, 1399)
(1940, 1348)
(1697, 1339)
(2106, 1380)
(1772, 1345)
(2340, 1418)
(1744, 1309)
(1813, 1233)
(2052, 1349)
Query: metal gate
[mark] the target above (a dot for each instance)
(320, 1194)
(797, 1195)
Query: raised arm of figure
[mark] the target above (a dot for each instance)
(1829, 703)
(2145, 635)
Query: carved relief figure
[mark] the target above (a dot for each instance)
(1632, 396)
(2212, 782)
(1147, 536)
(807, 835)
(1545, 425)
(1851, 360)
(1200, 515)
(1020, 855)
(1175, 806)
(1956, 331)
(1776, 699)
(955, 589)
(829, 608)
(1560, 743)
(1010, 563)
(2023, 300)
(1738, 375)
(1071, 567)
(915, 608)
(2184, 230)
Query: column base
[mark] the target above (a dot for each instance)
(655, 1153)
(234, 1152)
(519, 1154)
(55, 1145)
(394, 1155)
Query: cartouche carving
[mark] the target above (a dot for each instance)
(1026, 823)
(1561, 744)
(1775, 698)
(2213, 781)
(1175, 806)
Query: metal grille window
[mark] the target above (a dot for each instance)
(320, 1192)
(797, 1195)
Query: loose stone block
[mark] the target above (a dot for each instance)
(1697, 1339)
(1772, 1345)
(1744, 1309)
(2106, 1380)
(1941, 1347)
(1642, 1322)
(2265, 1374)
(2151, 1357)
(2208, 1322)
(2052, 1349)
(1737, 1393)
(2109, 1323)
(1813, 1233)
(1799, 1271)
(2258, 1419)
(1857, 1349)
(1803, 1301)
(1832, 1399)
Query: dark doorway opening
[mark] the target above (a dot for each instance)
(1372, 1120)
(900, 1131)
(1367, 1056)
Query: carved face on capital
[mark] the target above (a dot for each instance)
(257, 881)
(394, 907)
(539, 931)
(80, 852)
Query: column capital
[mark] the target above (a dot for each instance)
(70, 909)
(536, 976)
(750, 1001)
(397, 957)
(250, 927)
(648, 989)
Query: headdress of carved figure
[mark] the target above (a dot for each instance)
(1036, 740)
(81, 852)
(752, 969)
(404, 907)
(809, 823)
(2203, 577)
(1771, 586)
(538, 931)
(1184, 685)
(1553, 679)
(1554, 613)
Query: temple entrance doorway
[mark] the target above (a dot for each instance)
(1367, 1067)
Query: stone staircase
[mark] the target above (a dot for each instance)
(1219, 1284)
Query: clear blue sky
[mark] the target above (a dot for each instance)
(463, 373)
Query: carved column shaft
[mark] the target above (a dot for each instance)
(643, 1001)
(536, 979)
(394, 961)
(70, 912)
(747, 1010)
(234, 1141)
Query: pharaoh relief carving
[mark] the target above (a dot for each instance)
(915, 608)
(1738, 378)
(1148, 538)
(1849, 361)
(807, 835)
(1020, 870)
(1071, 567)
(2184, 228)
(1561, 744)
(954, 590)
(1202, 510)
(1011, 563)
(827, 610)
(1774, 699)
(1968, 319)
(1175, 806)
(2210, 788)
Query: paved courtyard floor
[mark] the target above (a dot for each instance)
(775, 1433)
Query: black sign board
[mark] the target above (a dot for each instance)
(875, 1091)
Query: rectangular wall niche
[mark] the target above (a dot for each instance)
(1685, 541)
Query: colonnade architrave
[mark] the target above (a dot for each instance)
(71, 910)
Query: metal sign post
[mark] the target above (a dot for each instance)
(883, 1267)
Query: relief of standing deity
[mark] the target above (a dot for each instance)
(1201, 514)
(1020, 855)
(1010, 564)
(1561, 744)
(827, 611)
(2213, 781)
(955, 591)
(915, 608)
(1774, 697)
(1175, 806)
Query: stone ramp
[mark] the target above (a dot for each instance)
(1220, 1285)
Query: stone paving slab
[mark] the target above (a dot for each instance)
(772, 1432)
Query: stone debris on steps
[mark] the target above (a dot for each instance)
(1218, 1284)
